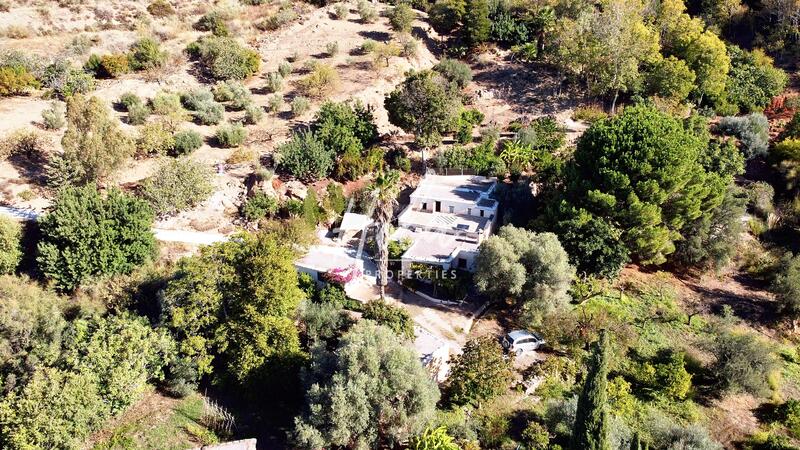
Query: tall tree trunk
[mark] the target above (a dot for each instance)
(382, 239)
(614, 102)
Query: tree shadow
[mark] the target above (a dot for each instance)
(380, 36)
(528, 88)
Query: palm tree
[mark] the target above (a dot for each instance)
(383, 198)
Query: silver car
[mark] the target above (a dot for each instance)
(521, 341)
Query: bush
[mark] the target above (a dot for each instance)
(196, 98)
(10, 249)
(85, 235)
(154, 139)
(480, 373)
(215, 22)
(146, 54)
(53, 117)
(27, 143)
(138, 114)
(300, 105)
(225, 59)
(589, 114)
(94, 145)
(284, 69)
(752, 131)
(789, 414)
(129, 99)
(322, 80)
(332, 48)
(760, 195)
(209, 113)
(66, 80)
(275, 103)
(743, 363)
(305, 157)
(253, 114)
(186, 142)
(160, 8)
(16, 80)
(279, 19)
(366, 11)
(234, 92)
(168, 104)
(368, 46)
(113, 65)
(786, 284)
(401, 17)
(454, 71)
(230, 135)
(259, 206)
(274, 82)
(178, 185)
(340, 11)
(394, 317)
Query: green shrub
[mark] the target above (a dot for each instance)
(230, 135)
(168, 104)
(224, 58)
(129, 99)
(589, 114)
(752, 131)
(480, 373)
(66, 80)
(10, 249)
(300, 105)
(274, 82)
(340, 11)
(275, 103)
(160, 8)
(138, 114)
(366, 11)
(234, 92)
(305, 157)
(277, 20)
(113, 65)
(215, 22)
(186, 142)
(178, 185)
(196, 98)
(146, 54)
(154, 139)
(368, 46)
(259, 206)
(253, 114)
(322, 80)
(743, 363)
(536, 437)
(16, 80)
(209, 113)
(285, 69)
(86, 235)
(332, 48)
(454, 71)
(401, 17)
(394, 317)
(789, 414)
(53, 117)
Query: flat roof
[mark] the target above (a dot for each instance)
(454, 188)
(455, 222)
(322, 258)
(432, 247)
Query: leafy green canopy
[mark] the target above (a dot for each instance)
(641, 171)
(87, 235)
(372, 392)
(232, 308)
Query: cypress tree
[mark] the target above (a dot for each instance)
(591, 422)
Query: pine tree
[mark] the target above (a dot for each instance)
(591, 422)
(476, 23)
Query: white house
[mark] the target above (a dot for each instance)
(447, 219)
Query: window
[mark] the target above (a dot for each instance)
(469, 211)
(481, 213)
(462, 263)
(424, 206)
(451, 209)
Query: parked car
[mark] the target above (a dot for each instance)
(521, 341)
